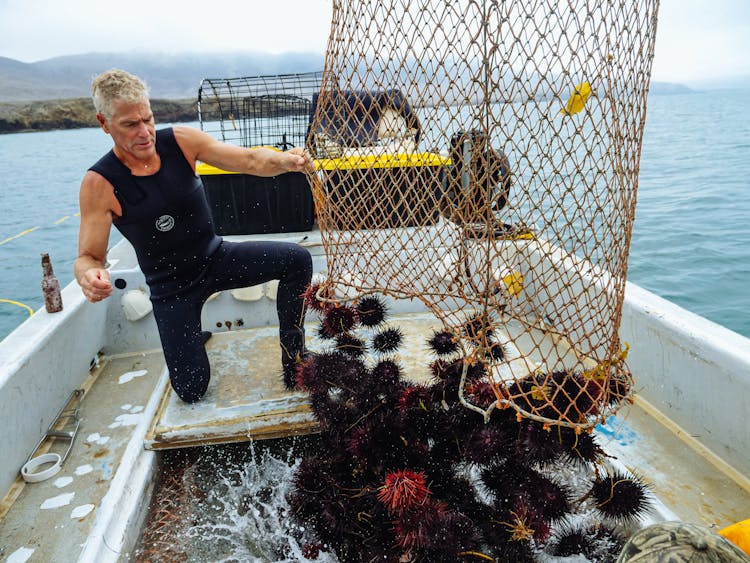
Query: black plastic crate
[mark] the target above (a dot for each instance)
(244, 204)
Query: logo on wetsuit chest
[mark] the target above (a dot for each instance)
(165, 223)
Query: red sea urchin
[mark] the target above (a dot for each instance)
(403, 490)
(310, 296)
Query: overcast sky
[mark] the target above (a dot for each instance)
(696, 40)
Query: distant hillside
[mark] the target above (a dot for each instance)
(668, 88)
(74, 113)
(168, 76)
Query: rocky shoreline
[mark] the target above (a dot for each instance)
(75, 113)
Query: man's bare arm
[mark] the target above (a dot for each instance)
(259, 161)
(96, 201)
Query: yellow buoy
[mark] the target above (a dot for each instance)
(514, 283)
(738, 534)
(577, 99)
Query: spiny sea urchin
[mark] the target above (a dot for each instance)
(387, 340)
(350, 344)
(478, 328)
(579, 448)
(371, 311)
(403, 491)
(487, 444)
(309, 296)
(413, 397)
(595, 542)
(481, 394)
(496, 351)
(386, 373)
(339, 319)
(443, 343)
(621, 498)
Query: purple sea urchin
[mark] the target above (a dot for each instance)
(339, 319)
(496, 351)
(371, 311)
(323, 333)
(595, 542)
(579, 448)
(413, 397)
(387, 340)
(446, 533)
(386, 373)
(443, 343)
(573, 540)
(621, 498)
(487, 444)
(549, 498)
(478, 328)
(350, 344)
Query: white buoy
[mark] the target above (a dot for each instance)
(136, 304)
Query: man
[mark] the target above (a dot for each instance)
(147, 187)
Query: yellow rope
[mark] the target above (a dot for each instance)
(22, 305)
(26, 232)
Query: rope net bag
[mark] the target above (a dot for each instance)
(482, 156)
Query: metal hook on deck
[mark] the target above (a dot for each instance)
(71, 416)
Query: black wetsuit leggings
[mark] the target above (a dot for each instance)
(243, 264)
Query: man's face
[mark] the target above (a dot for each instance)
(132, 128)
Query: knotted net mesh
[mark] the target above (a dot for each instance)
(482, 156)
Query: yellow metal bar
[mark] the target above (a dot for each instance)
(358, 162)
(389, 160)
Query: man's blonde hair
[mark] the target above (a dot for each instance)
(116, 84)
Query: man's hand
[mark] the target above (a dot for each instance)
(302, 162)
(95, 284)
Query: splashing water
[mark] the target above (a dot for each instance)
(233, 508)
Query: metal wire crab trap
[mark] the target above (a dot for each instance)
(258, 110)
(482, 156)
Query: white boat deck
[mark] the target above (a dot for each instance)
(246, 399)
(64, 518)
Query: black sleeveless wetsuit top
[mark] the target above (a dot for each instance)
(165, 216)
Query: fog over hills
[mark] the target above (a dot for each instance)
(170, 76)
(174, 76)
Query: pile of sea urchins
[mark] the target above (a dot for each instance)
(407, 473)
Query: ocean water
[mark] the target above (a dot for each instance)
(691, 238)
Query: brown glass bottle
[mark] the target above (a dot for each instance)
(50, 286)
